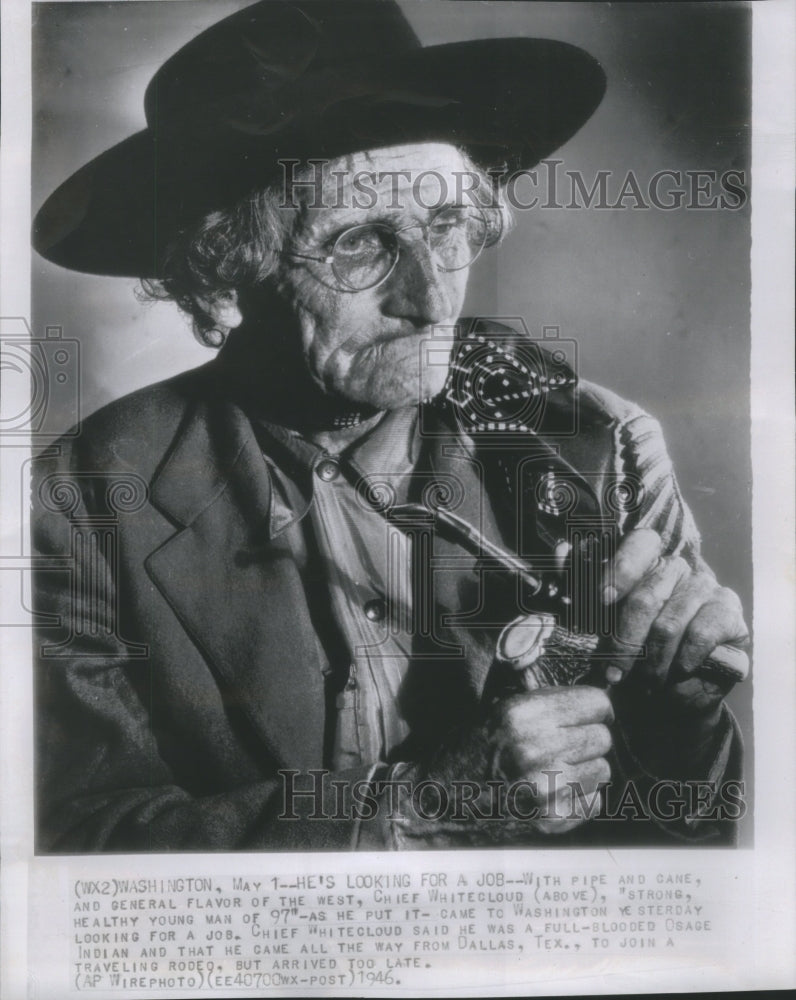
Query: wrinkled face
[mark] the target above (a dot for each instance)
(387, 346)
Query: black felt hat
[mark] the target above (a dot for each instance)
(313, 78)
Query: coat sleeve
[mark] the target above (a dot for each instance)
(643, 460)
(658, 503)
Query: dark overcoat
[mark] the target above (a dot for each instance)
(179, 669)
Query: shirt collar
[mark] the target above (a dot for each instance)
(386, 453)
(389, 447)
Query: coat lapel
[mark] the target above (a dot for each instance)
(238, 597)
(502, 485)
(238, 593)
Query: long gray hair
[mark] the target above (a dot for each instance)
(240, 247)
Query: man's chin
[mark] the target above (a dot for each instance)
(397, 396)
(395, 389)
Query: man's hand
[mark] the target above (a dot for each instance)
(546, 752)
(669, 619)
(555, 740)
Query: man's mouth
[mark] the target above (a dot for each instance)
(425, 333)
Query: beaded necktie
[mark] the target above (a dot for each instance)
(499, 382)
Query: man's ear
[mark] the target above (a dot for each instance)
(223, 308)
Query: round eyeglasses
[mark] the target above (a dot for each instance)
(364, 256)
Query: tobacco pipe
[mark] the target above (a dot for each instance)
(539, 649)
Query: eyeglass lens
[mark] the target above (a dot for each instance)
(364, 255)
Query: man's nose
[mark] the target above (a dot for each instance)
(418, 289)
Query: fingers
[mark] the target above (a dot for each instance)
(718, 621)
(569, 797)
(555, 728)
(550, 746)
(588, 775)
(559, 791)
(666, 632)
(555, 707)
(562, 748)
(670, 621)
(586, 743)
(637, 554)
(639, 613)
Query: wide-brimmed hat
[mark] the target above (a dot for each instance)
(308, 79)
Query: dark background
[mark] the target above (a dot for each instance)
(657, 301)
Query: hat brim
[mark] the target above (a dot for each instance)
(508, 102)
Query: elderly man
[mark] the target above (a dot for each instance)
(324, 591)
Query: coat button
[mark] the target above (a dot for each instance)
(375, 611)
(327, 469)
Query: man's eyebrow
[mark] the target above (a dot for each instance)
(332, 227)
